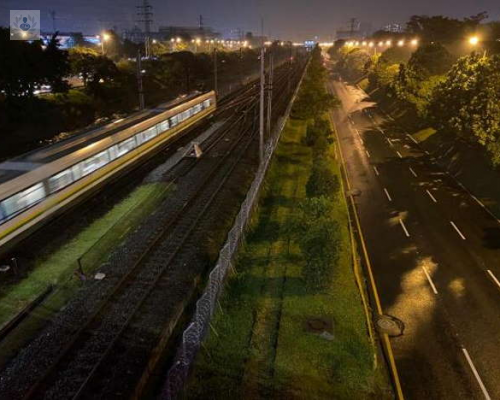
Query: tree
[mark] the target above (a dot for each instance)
(442, 29)
(467, 102)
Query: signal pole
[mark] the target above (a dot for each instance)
(262, 90)
(139, 80)
(216, 89)
(270, 93)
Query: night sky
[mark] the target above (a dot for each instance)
(285, 19)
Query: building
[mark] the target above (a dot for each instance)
(187, 32)
(67, 40)
(394, 28)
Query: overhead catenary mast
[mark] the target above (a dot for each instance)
(145, 14)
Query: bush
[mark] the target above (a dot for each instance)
(318, 235)
(322, 181)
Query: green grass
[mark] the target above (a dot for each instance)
(259, 346)
(57, 268)
(424, 134)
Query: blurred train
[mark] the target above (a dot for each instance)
(38, 185)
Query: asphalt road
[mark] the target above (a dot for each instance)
(435, 254)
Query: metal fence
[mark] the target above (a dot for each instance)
(205, 306)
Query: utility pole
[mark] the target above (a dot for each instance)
(262, 90)
(53, 16)
(146, 17)
(216, 88)
(270, 93)
(139, 80)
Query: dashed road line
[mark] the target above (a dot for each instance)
(404, 227)
(376, 171)
(367, 153)
(387, 194)
(476, 374)
(399, 154)
(431, 196)
(458, 230)
(413, 172)
(495, 279)
(430, 280)
(390, 142)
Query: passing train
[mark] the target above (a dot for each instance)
(38, 185)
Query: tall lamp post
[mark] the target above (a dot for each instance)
(104, 38)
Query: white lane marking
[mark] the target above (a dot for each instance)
(413, 172)
(376, 171)
(399, 154)
(357, 133)
(381, 131)
(412, 138)
(404, 227)
(494, 278)
(367, 153)
(390, 142)
(431, 196)
(458, 230)
(430, 280)
(474, 371)
(387, 194)
(426, 152)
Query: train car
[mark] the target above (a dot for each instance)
(39, 185)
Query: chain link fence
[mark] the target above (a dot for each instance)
(205, 306)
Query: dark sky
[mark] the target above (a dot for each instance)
(286, 19)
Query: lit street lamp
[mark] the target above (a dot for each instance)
(104, 38)
(474, 40)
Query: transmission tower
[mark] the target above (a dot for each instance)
(145, 14)
(52, 14)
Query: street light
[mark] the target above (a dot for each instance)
(401, 43)
(104, 38)
(474, 40)
(414, 42)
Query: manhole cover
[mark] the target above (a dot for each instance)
(390, 325)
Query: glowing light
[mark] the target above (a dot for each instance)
(364, 43)
(474, 40)
(388, 43)
(380, 43)
(370, 44)
(401, 43)
(106, 37)
(414, 42)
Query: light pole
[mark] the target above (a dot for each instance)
(104, 38)
(216, 89)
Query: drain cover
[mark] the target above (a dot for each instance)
(390, 325)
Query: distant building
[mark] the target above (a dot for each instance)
(394, 28)
(189, 32)
(67, 40)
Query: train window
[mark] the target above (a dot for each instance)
(197, 108)
(163, 126)
(206, 103)
(3, 214)
(22, 200)
(93, 163)
(150, 133)
(174, 120)
(125, 146)
(113, 152)
(61, 180)
(139, 138)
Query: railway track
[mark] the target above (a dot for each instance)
(129, 311)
